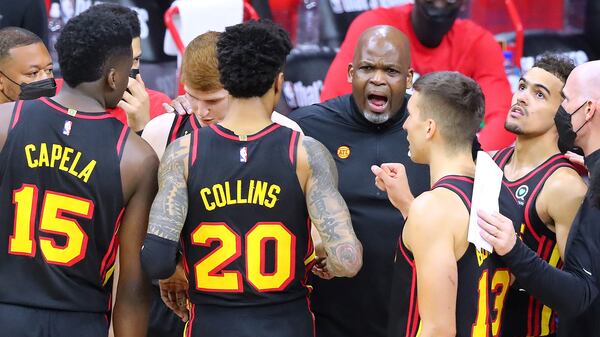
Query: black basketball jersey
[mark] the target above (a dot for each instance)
(246, 239)
(526, 316)
(483, 281)
(182, 125)
(61, 200)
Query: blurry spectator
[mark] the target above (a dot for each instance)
(28, 14)
(25, 66)
(438, 41)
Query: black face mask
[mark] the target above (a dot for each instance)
(566, 135)
(133, 73)
(441, 16)
(34, 90)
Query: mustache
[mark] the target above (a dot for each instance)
(525, 111)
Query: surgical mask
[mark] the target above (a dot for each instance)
(566, 135)
(34, 90)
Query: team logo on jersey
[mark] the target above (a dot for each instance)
(521, 193)
(67, 128)
(243, 154)
(343, 152)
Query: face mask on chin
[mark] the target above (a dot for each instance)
(34, 90)
(566, 134)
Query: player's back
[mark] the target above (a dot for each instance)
(246, 238)
(61, 196)
(482, 279)
(527, 316)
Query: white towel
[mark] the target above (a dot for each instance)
(199, 16)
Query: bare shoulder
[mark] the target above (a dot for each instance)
(436, 211)
(564, 182)
(157, 130)
(139, 165)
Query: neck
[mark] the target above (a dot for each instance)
(590, 142)
(444, 163)
(532, 151)
(429, 35)
(247, 116)
(85, 97)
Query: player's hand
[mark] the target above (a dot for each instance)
(320, 268)
(575, 158)
(136, 104)
(391, 178)
(180, 105)
(173, 292)
(498, 231)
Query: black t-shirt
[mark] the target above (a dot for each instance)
(359, 306)
(28, 14)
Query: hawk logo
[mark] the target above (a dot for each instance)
(343, 152)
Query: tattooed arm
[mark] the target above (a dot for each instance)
(327, 209)
(168, 212)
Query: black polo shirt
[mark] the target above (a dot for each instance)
(359, 306)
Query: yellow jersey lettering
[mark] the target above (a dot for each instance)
(30, 161)
(481, 255)
(65, 158)
(228, 195)
(87, 171)
(204, 193)
(272, 194)
(219, 195)
(238, 195)
(44, 160)
(74, 163)
(260, 192)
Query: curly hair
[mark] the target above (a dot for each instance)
(200, 68)
(557, 65)
(251, 55)
(13, 37)
(89, 43)
(126, 14)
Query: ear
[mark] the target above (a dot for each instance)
(350, 72)
(409, 78)
(278, 84)
(431, 129)
(590, 110)
(111, 79)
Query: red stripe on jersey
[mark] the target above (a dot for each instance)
(413, 310)
(528, 206)
(194, 123)
(178, 120)
(458, 191)
(17, 113)
(194, 147)
(112, 248)
(191, 321)
(293, 145)
(505, 158)
(121, 138)
(79, 114)
(270, 129)
(538, 169)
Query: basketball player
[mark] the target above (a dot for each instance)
(443, 285)
(251, 186)
(71, 192)
(548, 189)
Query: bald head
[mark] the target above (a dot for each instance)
(585, 80)
(383, 38)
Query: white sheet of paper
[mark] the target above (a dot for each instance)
(486, 191)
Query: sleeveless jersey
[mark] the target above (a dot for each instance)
(527, 316)
(61, 198)
(246, 239)
(182, 125)
(483, 281)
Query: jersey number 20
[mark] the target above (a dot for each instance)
(210, 271)
(52, 221)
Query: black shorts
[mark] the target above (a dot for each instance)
(163, 322)
(292, 319)
(20, 321)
